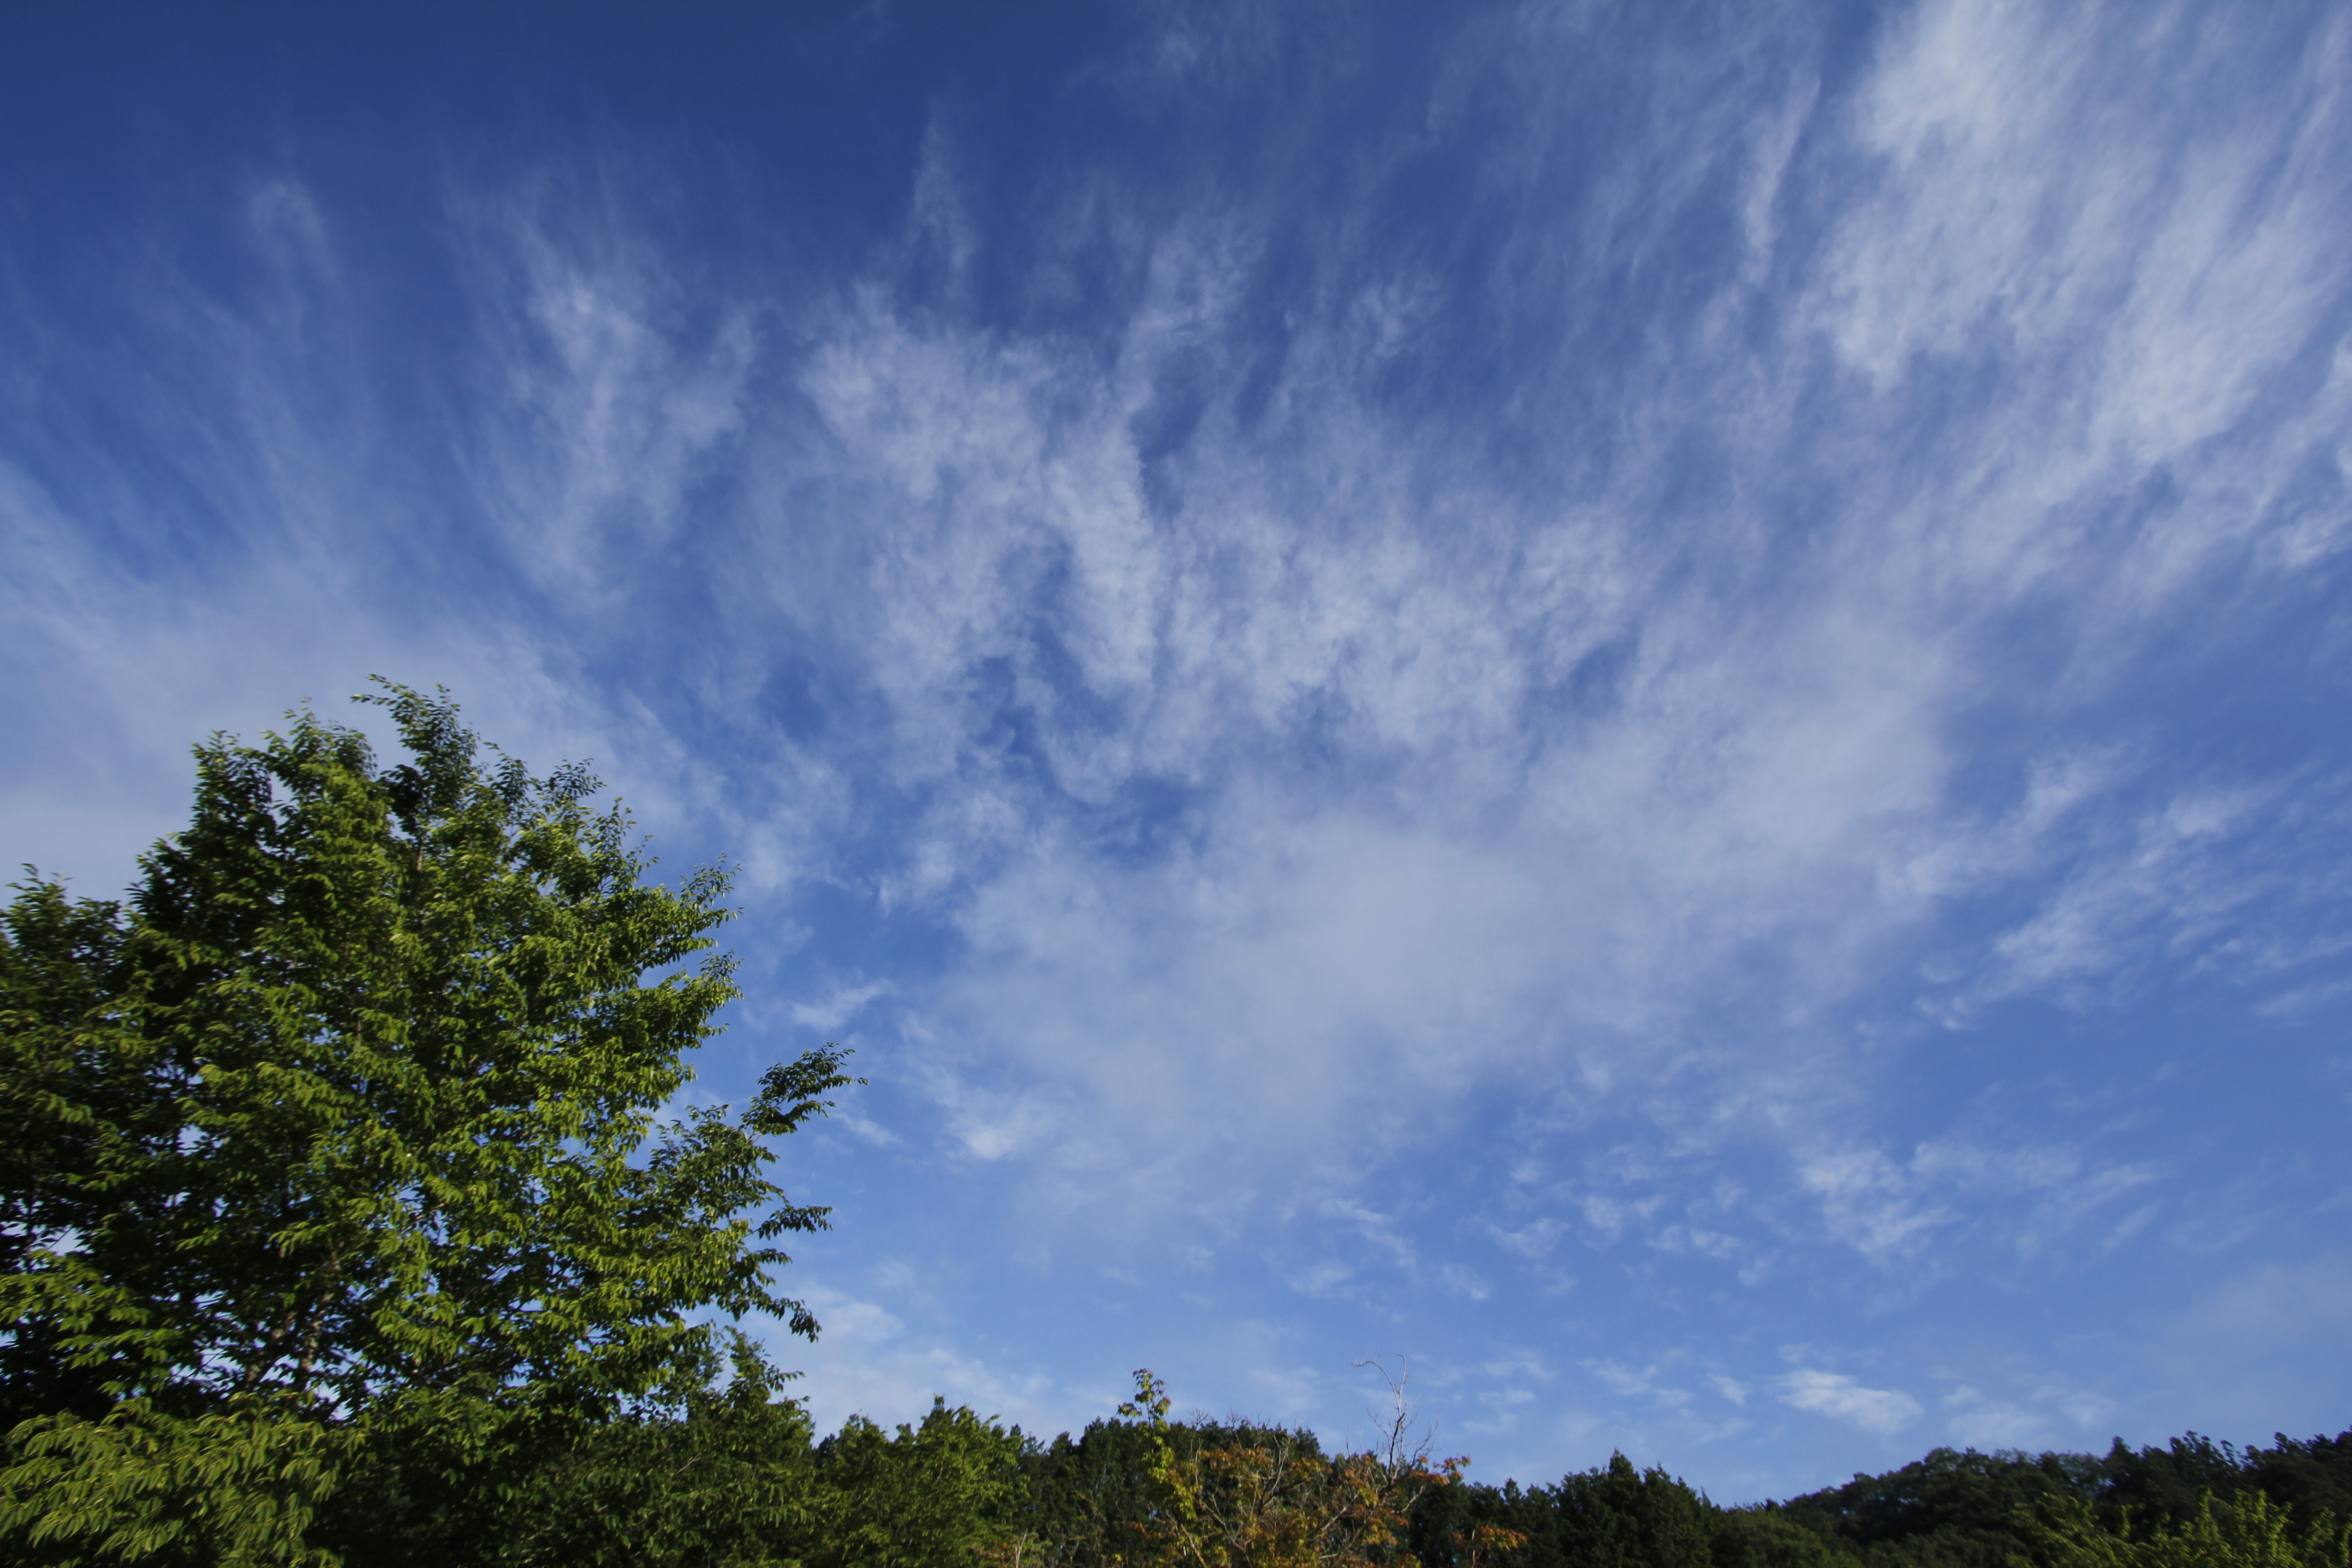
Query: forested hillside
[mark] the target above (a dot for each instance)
(344, 1219)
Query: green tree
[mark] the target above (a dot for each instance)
(346, 1136)
(2247, 1532)
(1954, 1509)
(1090, 1497)
(2170, 1486)
(723, 1478)
(946, 1493)
(1610, 1516)
(1764, 1537)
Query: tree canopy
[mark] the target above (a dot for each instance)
(356, 1114)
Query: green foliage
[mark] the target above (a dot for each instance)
(2170, 1485)
(237, 1486)
(1957, 1508)
(1088, 1497)
(1609, 1516)
(731, 1478)
(349, 1123)
(72, 1098)
(2249, 1532)
(942, 1494)
(1965, 1509)
(1765, 1537)
(722, 1479)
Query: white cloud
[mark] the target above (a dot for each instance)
(1638, 1382)
(1766, 775)
(1870, 1202)
(2031, 1195)
(1882, 1411)
(839, 1006)
(1978, 1422)
(602, 406)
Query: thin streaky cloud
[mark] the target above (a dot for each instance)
(1552, 681)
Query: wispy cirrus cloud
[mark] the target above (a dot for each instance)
(1477, 718)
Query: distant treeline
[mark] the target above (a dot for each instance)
(738, 1479)
(2194, 1501)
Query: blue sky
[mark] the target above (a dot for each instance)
(1641, 701)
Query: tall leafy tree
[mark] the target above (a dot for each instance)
(350, 1122)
